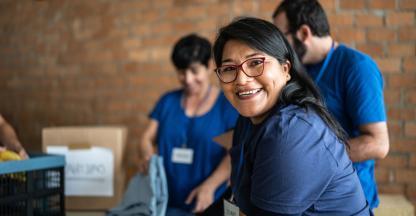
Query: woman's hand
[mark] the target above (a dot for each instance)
(204, 196)
(145, 153)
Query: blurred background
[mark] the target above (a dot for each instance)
(106, 62)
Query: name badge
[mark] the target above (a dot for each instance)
(182, 155)
(230, 209)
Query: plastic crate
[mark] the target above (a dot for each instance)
(32, 187)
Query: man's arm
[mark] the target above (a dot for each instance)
(373, 143)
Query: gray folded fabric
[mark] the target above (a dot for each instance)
(146, 195)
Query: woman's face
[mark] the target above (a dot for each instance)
(194, 79)
(253, 97)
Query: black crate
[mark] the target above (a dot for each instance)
(32, 187)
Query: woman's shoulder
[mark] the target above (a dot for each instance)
(289, 118)
(171, 95)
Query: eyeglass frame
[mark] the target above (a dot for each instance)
(240, 67)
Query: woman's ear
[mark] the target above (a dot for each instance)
(286, 69)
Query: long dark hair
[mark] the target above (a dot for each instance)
(263, 36)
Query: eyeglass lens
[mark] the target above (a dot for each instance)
(251, 67)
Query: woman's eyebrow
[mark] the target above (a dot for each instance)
(246, 57)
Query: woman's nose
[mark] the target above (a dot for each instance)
(242, 76)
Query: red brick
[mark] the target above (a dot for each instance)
(341, 20)
(382, 175)
(381, 35)
(132, 44)
(406, 80)
(404, 145)
(245, 7)
(161, 28)
(400, 113)
(368, 20)
(410, 97)
(407, 4)
(391, 188)
(349, 35)
(392, 96)
(412, 162)
(394, 161)
(352, 4)
(400, 18)
(389, 65)
(410, 129)
(402, 49)
(328, 5)
(409, 64)
(165, 41)
(184, 26)
(372, 49)
(382, 4)
(407, 34)
(394, 128)
(405, 175)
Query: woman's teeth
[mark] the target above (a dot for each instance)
(248, 93)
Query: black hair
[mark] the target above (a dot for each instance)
(304, 12)
(189, 49)
(263, 36)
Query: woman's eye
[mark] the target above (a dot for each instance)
(255, 62)
(228, 69)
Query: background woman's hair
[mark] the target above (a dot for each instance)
(191, 48)
(263, 36)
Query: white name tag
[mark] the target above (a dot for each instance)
(230, 209)
(182, 155)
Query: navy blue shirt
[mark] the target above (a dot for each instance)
(352, 87)
(293, 164)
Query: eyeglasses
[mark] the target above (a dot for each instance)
(251, 67)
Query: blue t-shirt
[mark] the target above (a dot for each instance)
(176, 129)
(292, 164)
(352, 87)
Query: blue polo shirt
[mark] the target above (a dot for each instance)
(352, 87)
(176, 129)
(292, 163)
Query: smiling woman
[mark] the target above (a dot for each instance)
(285, 135)
(182, 126)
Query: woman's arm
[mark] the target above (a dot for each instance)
(204, 193)
(146, 146)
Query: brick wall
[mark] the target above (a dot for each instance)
(103, 62)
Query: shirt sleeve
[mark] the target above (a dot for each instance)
(157, 111)
(364, 93)
(291, 168)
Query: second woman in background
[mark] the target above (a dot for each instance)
(182, 127)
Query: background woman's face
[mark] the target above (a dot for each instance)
(253, 97)
(195, 78)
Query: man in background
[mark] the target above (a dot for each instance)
(350, 83)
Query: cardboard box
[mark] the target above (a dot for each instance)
(88, 141)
